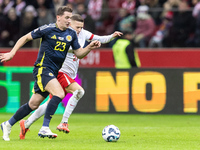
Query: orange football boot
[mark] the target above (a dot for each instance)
(63, 127)
(23, 130)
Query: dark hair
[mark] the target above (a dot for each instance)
(77, 17)
(63, 9)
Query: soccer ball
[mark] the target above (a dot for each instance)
(111, 133)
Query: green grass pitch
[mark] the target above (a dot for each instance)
(138, 132)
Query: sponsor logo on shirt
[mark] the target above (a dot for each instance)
(54, 37)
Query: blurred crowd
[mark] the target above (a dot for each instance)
(153, 23)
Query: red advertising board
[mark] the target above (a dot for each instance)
(98, 59)
(23, 57)
(169, 58)
(103, 58)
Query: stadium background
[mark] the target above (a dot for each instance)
(159, 86)
(166, 82)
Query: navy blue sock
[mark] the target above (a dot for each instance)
(51, 109)
(22, 112)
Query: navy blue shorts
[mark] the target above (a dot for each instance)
(42, 76)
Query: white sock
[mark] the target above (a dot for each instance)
(40, 111)
(77, 95)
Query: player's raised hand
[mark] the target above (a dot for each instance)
(6, 56)
(82, 52)
(95, 44)
(117, 33)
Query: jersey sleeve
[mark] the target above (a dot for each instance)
(102, 39)
(39, 32)
(87, 35)
(75, 45)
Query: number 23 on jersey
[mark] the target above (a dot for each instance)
(60, 46)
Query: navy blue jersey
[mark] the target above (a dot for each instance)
(54, 46)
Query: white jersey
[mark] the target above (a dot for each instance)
(71, 63)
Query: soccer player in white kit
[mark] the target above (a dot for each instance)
(66, 77)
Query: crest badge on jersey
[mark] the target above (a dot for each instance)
(68, 38)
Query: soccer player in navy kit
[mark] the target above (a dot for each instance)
(55, 41)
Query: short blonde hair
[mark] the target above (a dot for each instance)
(77, 17)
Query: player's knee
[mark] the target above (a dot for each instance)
(33, 106)
(60, 95)
(79, 94)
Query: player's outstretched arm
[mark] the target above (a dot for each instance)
(8, 56)
(82, 52)
(117, 34)
(107, 38)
